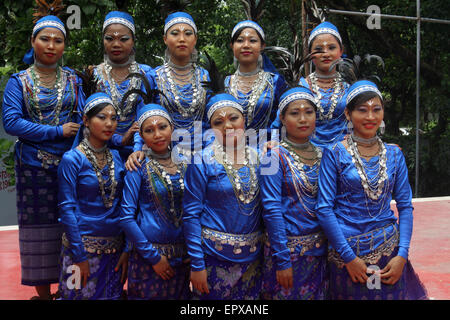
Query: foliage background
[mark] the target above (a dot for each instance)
(395, 42)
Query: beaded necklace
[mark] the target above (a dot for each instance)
(191, 110)
(338, 87)
(116, 96)
(35, 101)
(89, 152)
(374, 187)
(174, 213)
(251, 98)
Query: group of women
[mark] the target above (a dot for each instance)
(98, 186)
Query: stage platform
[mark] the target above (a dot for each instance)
(429, 252)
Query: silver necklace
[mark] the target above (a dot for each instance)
(318, 96)
(369, 142)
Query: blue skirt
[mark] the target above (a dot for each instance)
(310, 278)
(145, 284)
(103, 283)
(232, 281)
(408, 287)
(39, 230)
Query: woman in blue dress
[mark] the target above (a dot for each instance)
(180, 80)
(327, 85)
(295, 260)
(359, 176)
(151, 215)
(112, 77)
(90, 180)
(42, 107)
(222, 210)
(255, 84)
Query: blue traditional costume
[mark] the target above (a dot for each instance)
(354, 209)
(295, 237)
(151, 217)
(186, 102)
(107, 84)
(36, 114)
(261, 102)
(222, 218)
(331, 124)
(89, 202)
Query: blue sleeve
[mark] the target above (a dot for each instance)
(195, 183)
(68, 171)
(328, 180)
(403, 196)
(134, 234)
(13, 117)
(271, 198)
(138, 142)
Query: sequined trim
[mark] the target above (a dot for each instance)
(180, 20)
(238, 241)
(98, 245)
(177, 250)
(324, 30)
(48, 159)
(306, 242)
(361, 89)
(222, 104)
(385, 249)
(293, 97)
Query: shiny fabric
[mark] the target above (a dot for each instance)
(310, 280)
(103, 283)
(145, 284)
(232, 281)
(35, 135)
(408, 287)
(122, 125)
(285, 215)
(81, 205)
(209, 201)
(266, 107)
(143, 219)
(345, 211)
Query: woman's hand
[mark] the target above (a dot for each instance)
(128, 137)
(84, 272)
(269, 145)
(357, 270)
(70, 129)
(123, 263)
(199, 281)
(393, 270)
(134, 161)
(285, 278)
(163, 268)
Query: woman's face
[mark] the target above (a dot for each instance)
(299, 120)
(228, 124)
(118, 43)
(366, 117)
(332, 51)
(102, 125)
(180, 39)
(247, 47)
(48, 45)
(157, 133)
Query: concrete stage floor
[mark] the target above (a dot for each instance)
(429, 252)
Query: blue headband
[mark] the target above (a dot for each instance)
(45, 22)
(297, 93)
(97, 99)
(150, 110)
(360, 87)
(179, 17)
(248, 24)
(122, 18)
(324, 28)
(220, 101)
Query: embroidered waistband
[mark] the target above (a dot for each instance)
(176, 250)
(238, 241)
(48, 159)
(306, 242)
(98, 245)
(385, 249)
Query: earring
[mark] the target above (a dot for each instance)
(235, 63)
(350, 127)
(194, 56)
(167, 55)
(382, 127)
(260, 62)
(86, 132)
